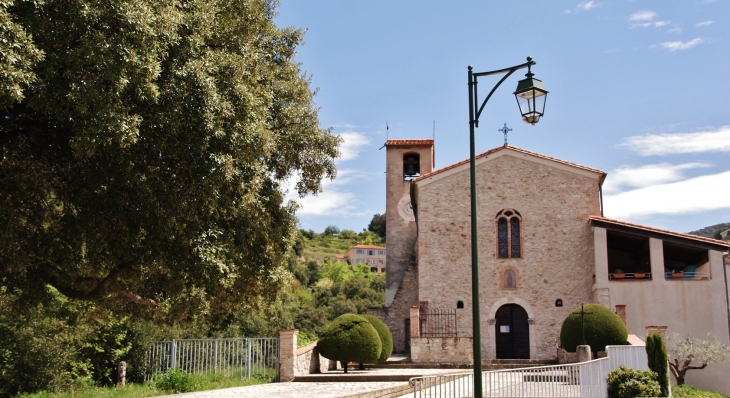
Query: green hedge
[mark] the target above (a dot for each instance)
(385, 337)
(602, 328)
(350, 338)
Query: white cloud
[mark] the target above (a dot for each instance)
(666, 144)
(328, 203)
(705, 23)
(642, 16)
(353, 143)
(584, 6)
(679, 45)
(659, 24)
(695, 195)
(674, 30)
(644, 176)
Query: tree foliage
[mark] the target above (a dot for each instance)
(377, 225)
(656, 353)
(602, 328)
(144, 145)
(692, 353)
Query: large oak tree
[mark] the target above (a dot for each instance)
(144, 146)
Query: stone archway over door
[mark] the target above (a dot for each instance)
(512, 332)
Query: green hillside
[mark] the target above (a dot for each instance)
(713, 231)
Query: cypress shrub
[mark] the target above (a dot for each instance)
(602, 326)
(350, 338)
(656, 353)
(385, 337)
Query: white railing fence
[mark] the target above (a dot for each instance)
(231, 357)
(586, 379)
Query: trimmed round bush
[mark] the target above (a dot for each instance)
(350, 338)
(603, 328)
(385, 337)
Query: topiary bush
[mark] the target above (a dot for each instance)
(603, 328)
(350, 338)
(627, 382)
(385, 337)
(656, 354)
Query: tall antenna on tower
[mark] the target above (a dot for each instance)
(386, 130)
(434, 130)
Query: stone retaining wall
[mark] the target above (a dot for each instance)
(451, 350)
(309, 361)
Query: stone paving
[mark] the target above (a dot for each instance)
(318, 389)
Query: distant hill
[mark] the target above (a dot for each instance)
(712, 231)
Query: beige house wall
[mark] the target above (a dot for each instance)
(687, 307)
(554, 201)
(374, 260)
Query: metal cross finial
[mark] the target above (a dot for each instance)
(505, 130)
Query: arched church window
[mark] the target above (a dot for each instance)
(510, 279)
(509, 236)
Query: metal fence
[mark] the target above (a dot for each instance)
(437, 322)
(233, 357)
(586, 379)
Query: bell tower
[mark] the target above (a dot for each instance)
(405, 161)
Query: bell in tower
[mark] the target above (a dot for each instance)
(411, 166)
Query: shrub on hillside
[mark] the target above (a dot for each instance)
(350, 338)
(627, 382)
(385, 337)
(602, 328)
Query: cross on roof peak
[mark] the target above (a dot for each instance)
(505, 130)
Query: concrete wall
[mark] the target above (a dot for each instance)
(442, 350)
(554, 200)
(687, 307)
(401, 231)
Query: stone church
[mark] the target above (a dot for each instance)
(544, 249)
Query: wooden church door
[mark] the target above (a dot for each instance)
(512, 332)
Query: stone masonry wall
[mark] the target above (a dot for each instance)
(309, 361)
(396, 315)
(450, 350)
(557, 244)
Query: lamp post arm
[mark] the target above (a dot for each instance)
(508, 72)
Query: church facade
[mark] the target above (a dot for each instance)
(544, 249)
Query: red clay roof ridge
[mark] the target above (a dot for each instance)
(661, 231)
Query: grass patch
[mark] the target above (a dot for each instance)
(687, 391)
(134, 390)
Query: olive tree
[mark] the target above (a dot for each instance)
(691, 353)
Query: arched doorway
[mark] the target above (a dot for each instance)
(512, 332)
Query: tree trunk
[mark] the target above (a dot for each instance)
(344, 365)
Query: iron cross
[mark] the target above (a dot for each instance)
(582, 322)
(505, 130)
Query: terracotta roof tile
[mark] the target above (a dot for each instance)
(660, 231)
(516, 149)
(408, 142)
(366, 247)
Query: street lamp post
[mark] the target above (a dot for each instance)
(530, 94)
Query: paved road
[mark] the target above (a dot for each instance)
(335, 389)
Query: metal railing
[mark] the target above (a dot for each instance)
(232, 357)
(586, 379)
(438, 322)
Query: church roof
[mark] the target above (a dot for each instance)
(516, 149)
(421, 142)
(603, 221)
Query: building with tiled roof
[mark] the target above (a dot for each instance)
(545, 248)
(372, 256)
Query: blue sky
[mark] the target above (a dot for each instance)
(638, 89)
